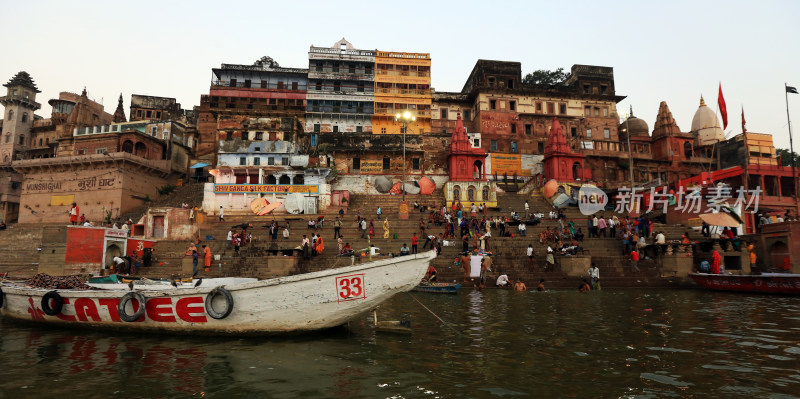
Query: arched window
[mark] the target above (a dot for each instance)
(11, 114)
(285, 180)
(687, 150)
(40, 142)
(24, 116)
(471, 193)
(576, 170)
(456, 193)
(140, 150)
(5, 158)
(485, 193)
(298, 179)
(272, 180)
(127, 146)
(477, 170)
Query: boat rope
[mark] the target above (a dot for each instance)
(434, 314)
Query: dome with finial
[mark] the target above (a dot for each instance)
(23, 79)
(705, 125)
(638, 127)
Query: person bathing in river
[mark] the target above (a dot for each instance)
(520, 286)
(540, 287)
(584, 287)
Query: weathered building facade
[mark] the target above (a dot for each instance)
(341, 91)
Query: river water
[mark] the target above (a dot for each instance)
(495, 344)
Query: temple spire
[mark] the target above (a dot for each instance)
(119, 114)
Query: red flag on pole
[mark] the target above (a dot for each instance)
(722, 109)
(744, 122)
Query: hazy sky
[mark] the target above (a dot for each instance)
(674, 51)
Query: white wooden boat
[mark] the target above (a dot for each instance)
(297, 303)
(160, 284)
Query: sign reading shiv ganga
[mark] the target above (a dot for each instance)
(266, 188)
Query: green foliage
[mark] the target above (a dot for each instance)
(546, 77)
(786, 157)
(166, 189)
(108, 213)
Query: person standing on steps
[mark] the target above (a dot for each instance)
(531, 252)
(194, 263)
(527, 206)
(230, 238)
(635, 261)
(386, 228)
(207, 258)
(73, 214)
(306, 244)
(221, 215)
(379, 212)
(601, 226)
(337, 225)
(594, 276)
(286, 232)
(414, 241)
(363, 228)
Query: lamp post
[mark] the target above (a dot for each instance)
(630, 150)
(405, 117)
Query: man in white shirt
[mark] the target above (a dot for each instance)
(594, 276)
(660, 239)
(522, 228)
(502, 281)
(118, 264)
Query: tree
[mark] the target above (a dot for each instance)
(545, 77)
(786, 157)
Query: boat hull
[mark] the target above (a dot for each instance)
(299, 303)
(768, 283)
(441, 288)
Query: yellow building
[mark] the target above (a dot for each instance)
(402, 83)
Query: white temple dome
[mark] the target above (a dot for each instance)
(706, 125)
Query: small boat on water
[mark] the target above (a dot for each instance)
(298, 303)
(438, 288)
(767, 283)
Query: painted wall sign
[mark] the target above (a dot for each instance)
(266, 188)
(508, 163)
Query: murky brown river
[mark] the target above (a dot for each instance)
(497, 344)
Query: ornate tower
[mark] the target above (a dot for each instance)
(119, 114)
(20, 104)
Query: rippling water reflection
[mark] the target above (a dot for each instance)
(628, 343)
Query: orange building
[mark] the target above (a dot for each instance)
(402, 83)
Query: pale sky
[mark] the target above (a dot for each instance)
(670, 51)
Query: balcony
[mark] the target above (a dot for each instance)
(386, 72)
(20, 100)
(409, 92)
(288, 86)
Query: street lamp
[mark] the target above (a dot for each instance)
(630, 150)
(405, 117)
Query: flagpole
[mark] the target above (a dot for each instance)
(791, 146)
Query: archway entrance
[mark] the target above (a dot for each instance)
(779, 256)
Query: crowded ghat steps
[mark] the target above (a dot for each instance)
(510, 256)
(18, 244)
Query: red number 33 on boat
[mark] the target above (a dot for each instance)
(350, 287)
